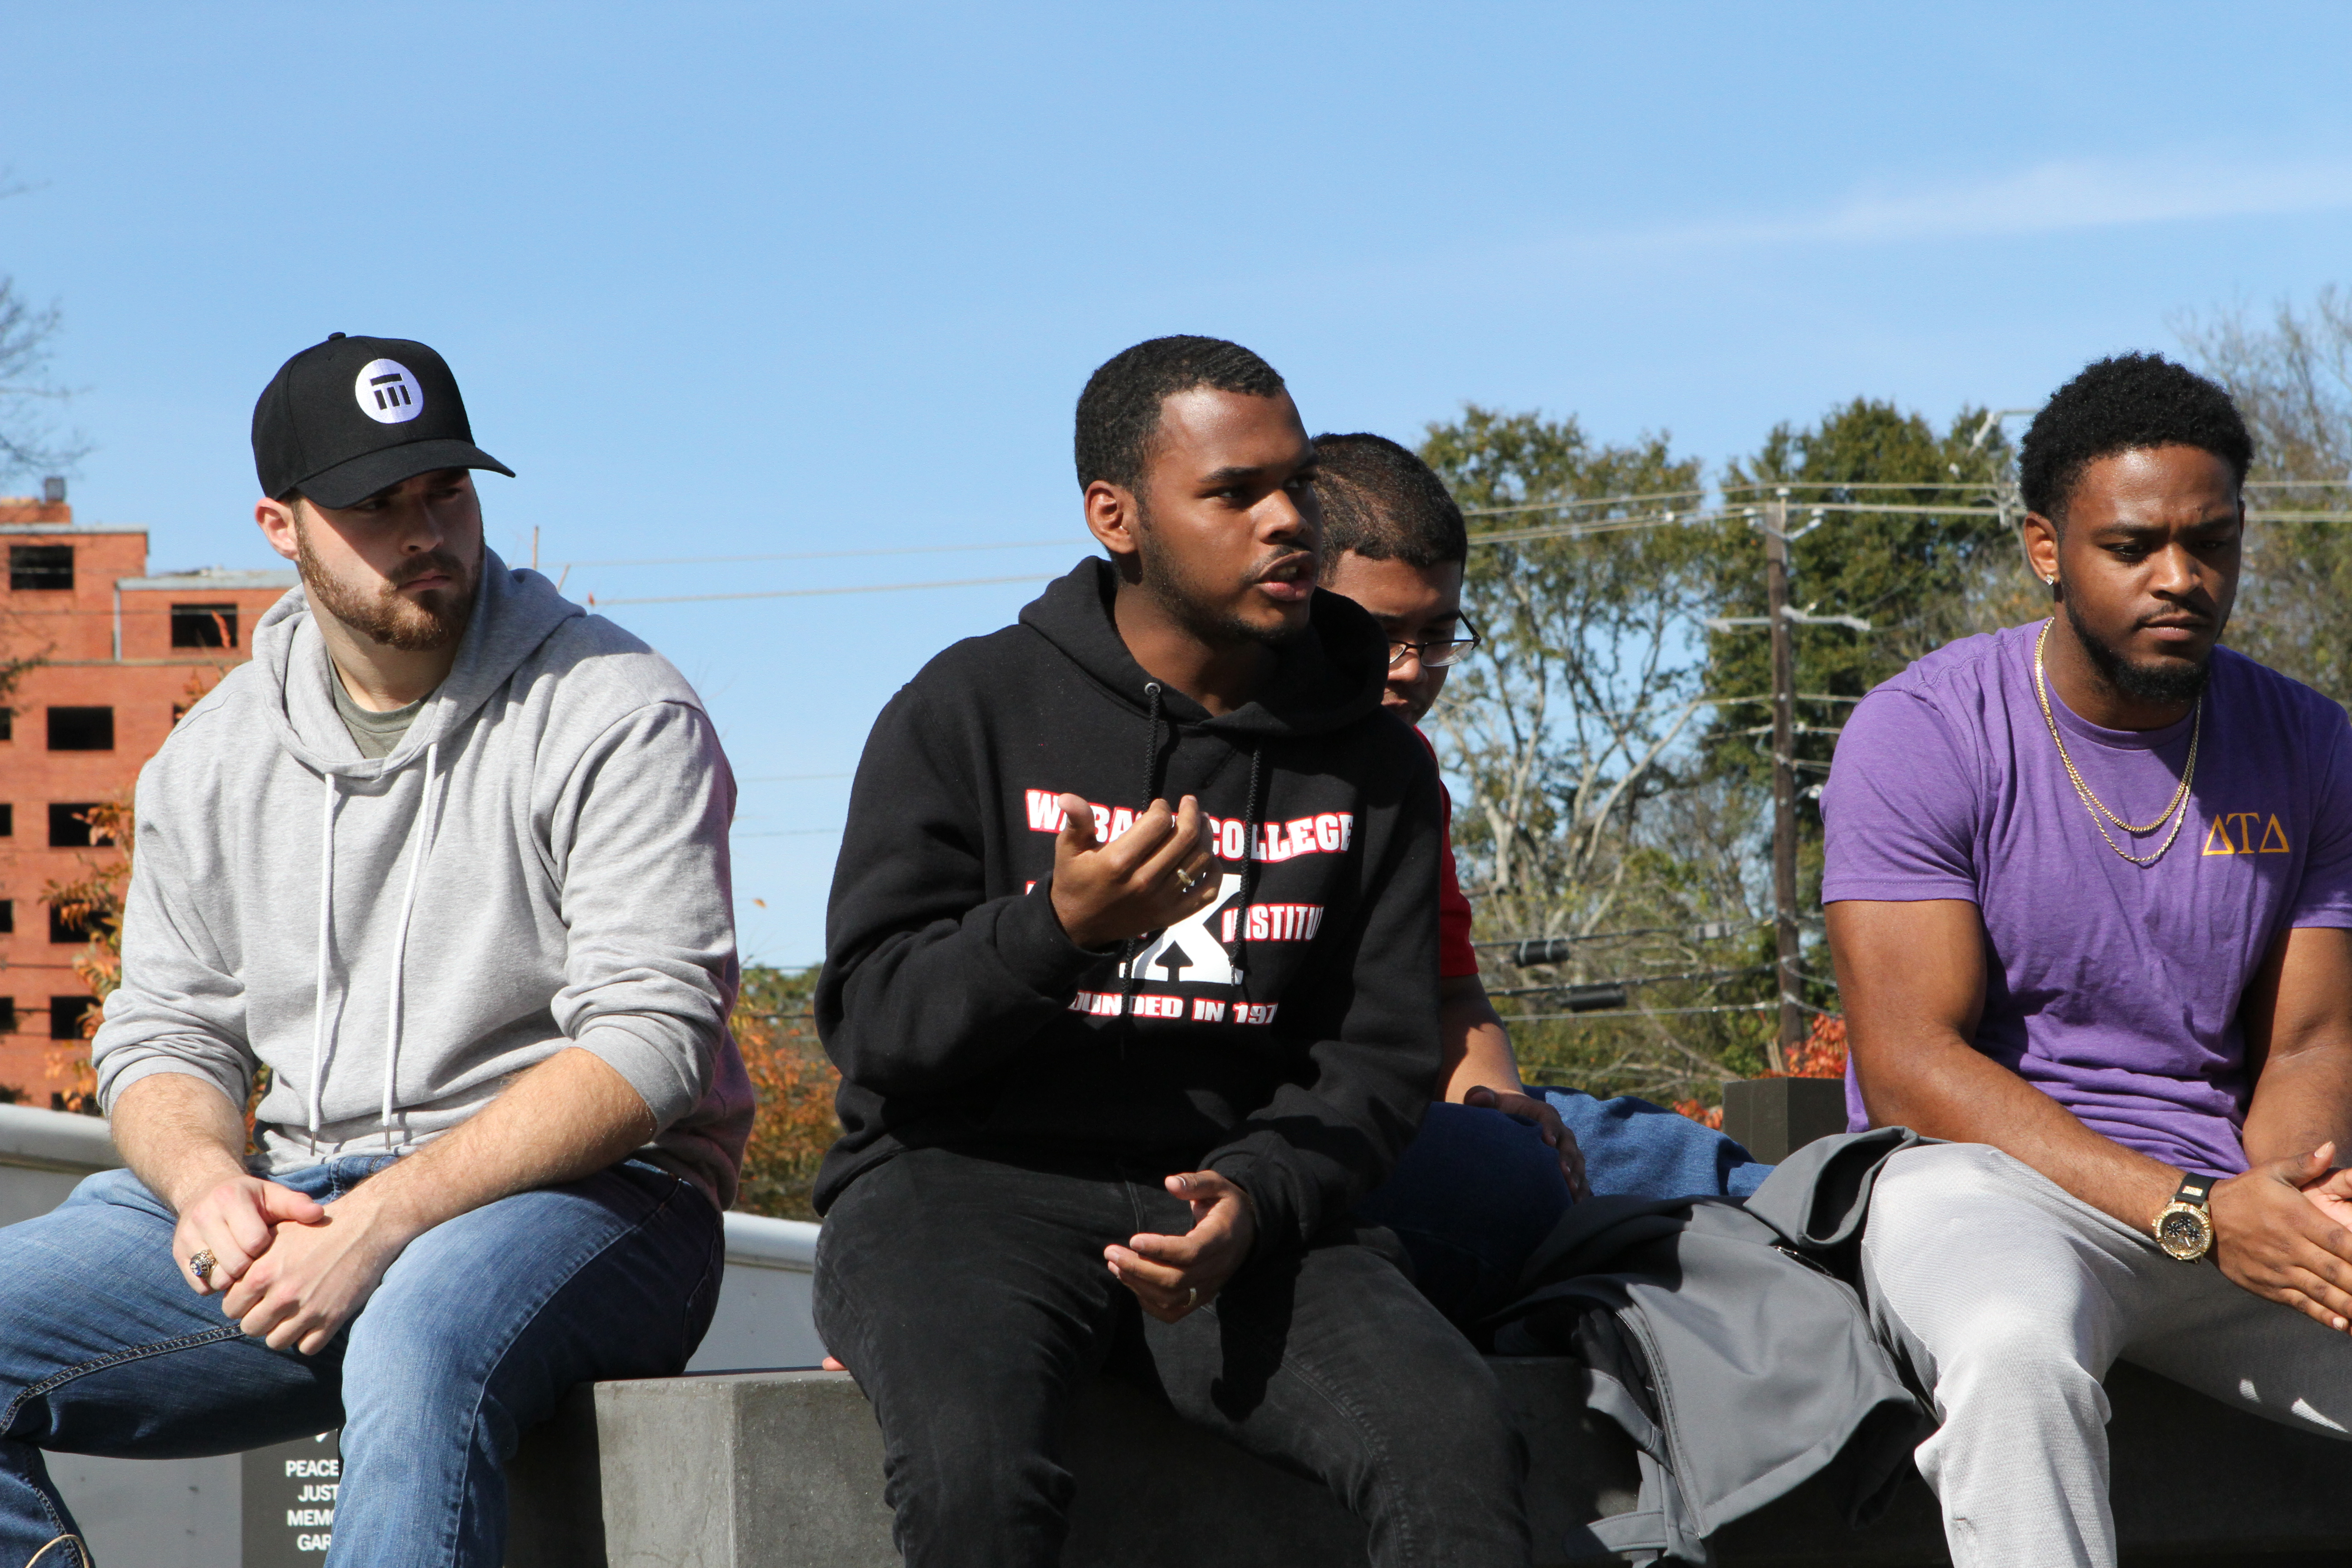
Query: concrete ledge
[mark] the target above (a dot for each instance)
(784, 1469)
(44, 1156)
(33, 1140)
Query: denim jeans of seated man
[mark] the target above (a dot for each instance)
(1476, 1191)
(476, 1332)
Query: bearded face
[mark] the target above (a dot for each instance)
(375, 606)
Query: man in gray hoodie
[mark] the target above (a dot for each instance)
(448, 859)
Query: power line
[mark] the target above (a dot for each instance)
(1500, 536)
(1620, 981)
(1635, 1013)
(1586, 501)
(595, 603)
(817, 554)
(1532, 950)
(1679, 520)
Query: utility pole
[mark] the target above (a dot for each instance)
(1784, 776)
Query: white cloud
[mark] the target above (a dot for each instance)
(2055, 197)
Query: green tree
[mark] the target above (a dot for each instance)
(1920, 574)
(1570, 733)
(2292, 378)
(1563, 724)
(1942, 560)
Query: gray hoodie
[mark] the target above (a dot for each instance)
(541, 862)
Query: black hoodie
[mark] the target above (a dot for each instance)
(1286, 1038)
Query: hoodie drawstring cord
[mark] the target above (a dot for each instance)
(1152, 695)
(1134, 945)
(436, 790)
(1253, 824)
(326, 938)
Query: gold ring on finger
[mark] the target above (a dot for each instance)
(1191, 1297)
(1186, 881)
(202, 1264)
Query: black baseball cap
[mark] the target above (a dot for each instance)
(350, 416)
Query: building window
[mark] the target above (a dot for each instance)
(204, 626)
(7, 822)
(8, 723)
(8, 917)
(81, 728)
(34, 566)
(64, 929)
(67, 828)
(7, 1015)
(66, 1015)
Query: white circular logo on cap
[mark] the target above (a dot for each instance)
(387, 392)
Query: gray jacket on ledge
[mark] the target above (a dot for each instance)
(1727, 1343)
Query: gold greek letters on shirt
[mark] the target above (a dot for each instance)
(2233, 834)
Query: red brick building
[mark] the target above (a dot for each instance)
(120, 656)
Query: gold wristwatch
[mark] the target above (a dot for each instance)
(2185, 1228)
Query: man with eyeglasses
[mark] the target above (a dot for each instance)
(1493, 1166)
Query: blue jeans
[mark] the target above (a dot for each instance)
(1472, 1195)
(1476, 1191)
(1634, 1149)
(476, 1332)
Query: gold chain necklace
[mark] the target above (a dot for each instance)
(2098, 807)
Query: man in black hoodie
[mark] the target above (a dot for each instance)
(1114, 1075)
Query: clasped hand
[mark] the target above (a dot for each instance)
(2284, 1231)
(290, 1270)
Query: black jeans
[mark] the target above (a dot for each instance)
(970, 1298)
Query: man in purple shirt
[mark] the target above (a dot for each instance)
(2090, 901)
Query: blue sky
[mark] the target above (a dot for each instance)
(758, 279)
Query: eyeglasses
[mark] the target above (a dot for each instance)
(1438, 653)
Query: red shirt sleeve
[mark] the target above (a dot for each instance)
(1455, 957)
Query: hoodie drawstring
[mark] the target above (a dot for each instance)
(322, 1028)
(1253, 824)
(1134, 945)
(1151, 696)
(436, 789)
(326, 940)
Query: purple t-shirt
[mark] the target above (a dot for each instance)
(2111, 987)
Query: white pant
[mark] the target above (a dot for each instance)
(2014, 1298)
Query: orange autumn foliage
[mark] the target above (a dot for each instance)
(1821, 1053)
(1704, 1115)
(795, 1084)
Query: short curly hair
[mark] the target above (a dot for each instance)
(2122, 405)
(1118, 412)
(1383, 503)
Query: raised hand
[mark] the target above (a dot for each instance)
(1173, 1275)
(1149, 876)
